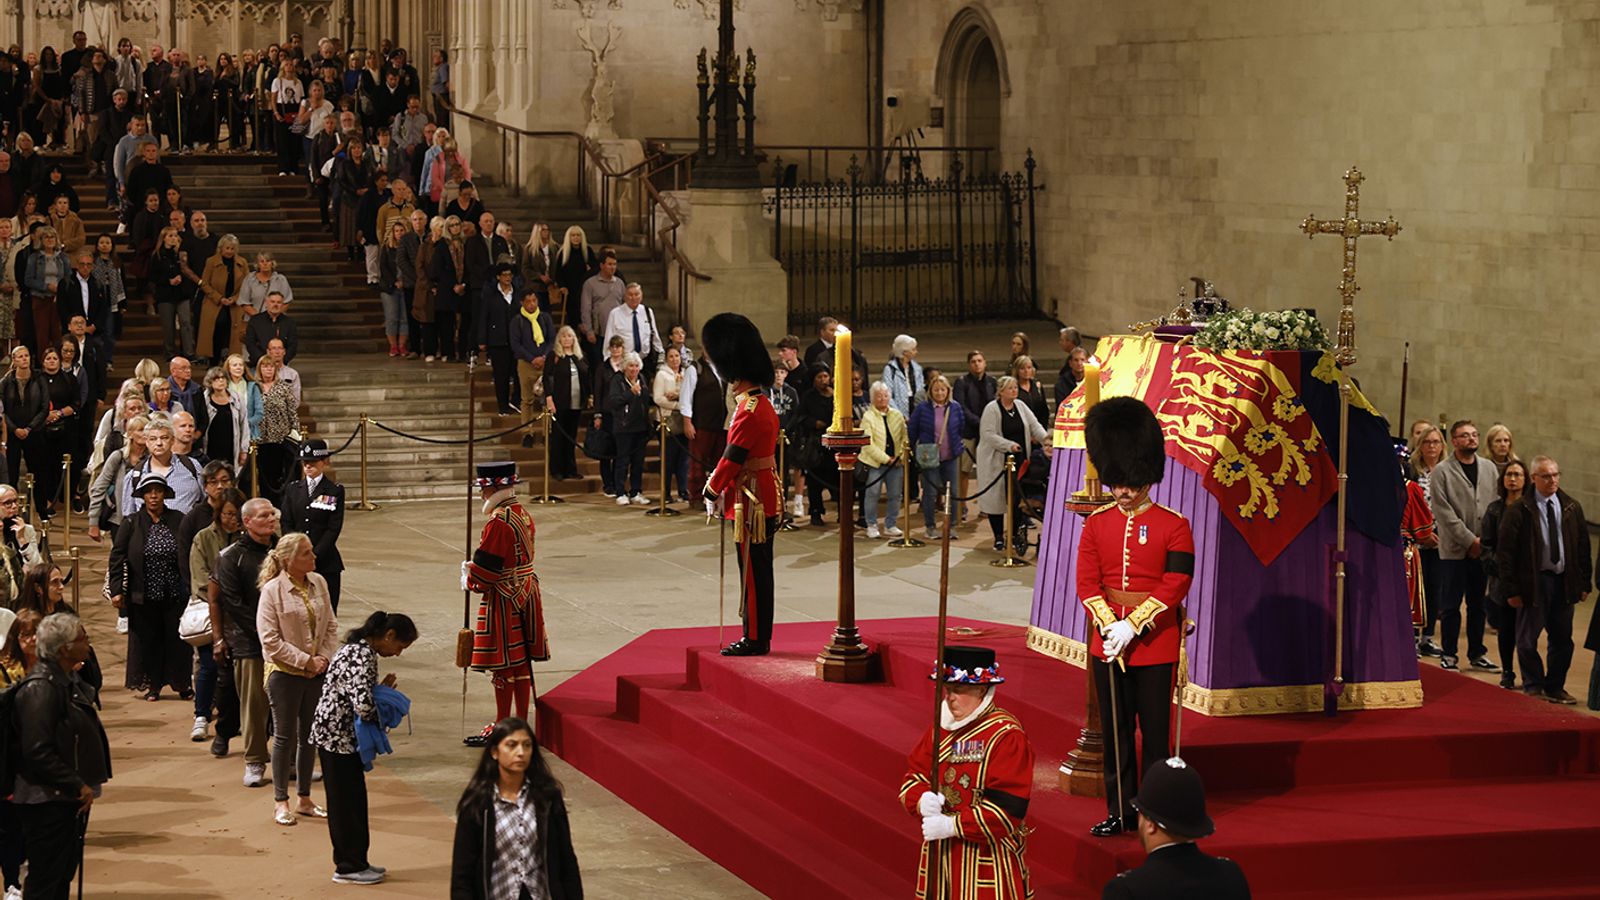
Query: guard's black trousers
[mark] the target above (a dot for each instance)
(1144, 694)
(757, 585)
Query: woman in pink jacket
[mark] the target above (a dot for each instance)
(298, 637)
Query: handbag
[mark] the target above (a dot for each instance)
(194, 626)
(599, 443)
(927, 455)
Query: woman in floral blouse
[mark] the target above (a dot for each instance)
(280, 427)
(346, 697)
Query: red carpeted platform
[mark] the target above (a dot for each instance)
(790, 783)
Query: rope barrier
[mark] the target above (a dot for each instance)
(521, 426)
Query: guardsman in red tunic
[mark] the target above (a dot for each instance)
(973, 820)
(1417, 528)
(744, 485)
(1135, 563)
(509, 635)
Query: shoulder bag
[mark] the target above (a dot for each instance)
(928, 454)
(194, 626)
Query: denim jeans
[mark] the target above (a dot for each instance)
(936, 483)
(205, 682)
(890, 482)
(394, 314)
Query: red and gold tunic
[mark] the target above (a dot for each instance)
(510, 627)
(750, 460)
(986, 770)
(1416, 526)
(1136, 567)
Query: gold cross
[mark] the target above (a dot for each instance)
(1350, 228)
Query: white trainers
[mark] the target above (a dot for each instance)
(894, 531)
(122, 625)
(872, 531)
(933, 534)
(638, 500)
(199, 732)
(13, 893)
(255, 774)
(365, 876)
(622, 499)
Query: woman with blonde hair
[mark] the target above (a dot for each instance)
(279, 431)
(447, 272)
(242, 385)
(171, 296)
(1428, 452)
(391, 291)
(429, 232)
(566, 393)
(538, 263)
(1502, 449)
(47, 268)
(299, 636)
(575, 263)
(222, 316)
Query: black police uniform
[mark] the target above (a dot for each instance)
(320, 514)
(1180, 872)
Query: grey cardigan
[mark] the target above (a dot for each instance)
(1457, 506)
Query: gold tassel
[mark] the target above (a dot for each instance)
(756, 516)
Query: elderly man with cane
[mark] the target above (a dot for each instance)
(1135, 563)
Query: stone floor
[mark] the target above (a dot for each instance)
(176, 819)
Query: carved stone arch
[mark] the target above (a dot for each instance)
(967, 30)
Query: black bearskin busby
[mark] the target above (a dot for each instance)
(736, 349)
(1125, 442)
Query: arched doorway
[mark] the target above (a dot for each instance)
(972, 78)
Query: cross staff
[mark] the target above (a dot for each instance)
(1350, 228)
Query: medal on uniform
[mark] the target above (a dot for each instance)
(1144, 534)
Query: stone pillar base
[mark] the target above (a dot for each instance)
(725, 236)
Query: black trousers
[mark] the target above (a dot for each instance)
(345, 783)
(167, 659)
(1504, 618)
(563, 452)
(273, 462)
(53, 833)
(288, 147)
(1144, 695)
(444, 325)
(756, 584)
(505, 374)
(332, 578)
(1553, 617)
(1461, 579)
(226, 701)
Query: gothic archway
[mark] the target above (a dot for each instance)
(973, 80)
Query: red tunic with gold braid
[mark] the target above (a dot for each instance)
(986, 770)
(750, 459)
(510, 627)
(1416, 526)
(1136, 567)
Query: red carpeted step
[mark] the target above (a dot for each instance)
(750, 832)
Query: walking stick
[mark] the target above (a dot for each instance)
(936, 867)
(464, 636)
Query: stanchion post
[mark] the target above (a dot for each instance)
(664, 511)
(66, 499)
(255, 472)
(1010, 559)
(544, 427)
(905, 539)
(27, 498)
(786, 519)
(77, 569)
(365, 504)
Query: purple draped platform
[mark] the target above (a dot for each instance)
(1264, 634)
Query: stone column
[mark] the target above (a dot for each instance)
(726, 236)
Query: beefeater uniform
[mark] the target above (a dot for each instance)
(509, 633)
(746, 479)
(1136, 567)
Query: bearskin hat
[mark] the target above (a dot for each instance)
(736, 349)
(1125, 442)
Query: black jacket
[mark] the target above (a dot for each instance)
(1066, 382)
(478, 262)
(127, 556)
(491, 324)
(69, 303)
(25, 407)
(558, 374)
(1521, 549)
(630, 412)
(63, 746)
(1180, 872)
(472, 862)
(444, 277)
(974, 395)
(262, 329)
(322, 522)
(235, 573)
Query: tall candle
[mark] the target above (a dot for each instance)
(1091, 396)
(843, 382)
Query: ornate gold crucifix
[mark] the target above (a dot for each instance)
(1350, 228)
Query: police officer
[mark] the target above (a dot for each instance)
(315, 505)
(1172, 816)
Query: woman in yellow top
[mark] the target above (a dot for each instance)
(298, 637)
(885, 459)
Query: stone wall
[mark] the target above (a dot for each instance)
(1185, 138)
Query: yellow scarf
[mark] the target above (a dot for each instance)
(533, 319)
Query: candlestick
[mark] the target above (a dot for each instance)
(1091, 396)
(843, 382)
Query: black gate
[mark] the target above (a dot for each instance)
(910, 252)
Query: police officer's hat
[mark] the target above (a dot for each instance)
(736, 349)
(969, 665)
(1172, 796)
(497, 474)
(314, 450)
(1125, 442)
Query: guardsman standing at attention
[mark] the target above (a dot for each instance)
(315, 505)
(744, 485)
(1135, 563)
(1172, 816)
(973, 826)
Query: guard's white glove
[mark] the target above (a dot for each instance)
(463, 574)
(1116, 637)
(930, 804)
(938, 828)
(713, 506)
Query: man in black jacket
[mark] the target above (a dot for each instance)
(80, 295)
(1543, 562)
(234, 596)
(274, 322)
(64, 758)
(497, 303)
(1172, 816)
(315, 505)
